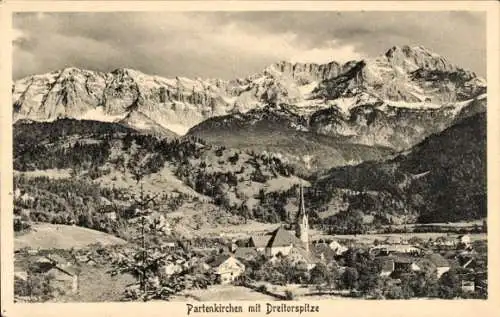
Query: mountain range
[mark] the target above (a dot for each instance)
(374, 106)
(400, 135)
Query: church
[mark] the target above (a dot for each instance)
(284, 242)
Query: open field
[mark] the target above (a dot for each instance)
(301, 292)
(369, 238)
(97, 285)
(50, 173)
(251, 227)
(223, 293)
(51, 236)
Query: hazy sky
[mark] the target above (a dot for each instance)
(235, 44)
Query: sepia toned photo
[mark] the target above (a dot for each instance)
(269, 156)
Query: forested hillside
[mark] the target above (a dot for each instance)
(441, 179)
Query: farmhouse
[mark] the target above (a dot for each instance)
(397, 264)
(301, 256)
(386, 249)
(444, 242)
(259, 242)
(338, 248)
(464, 241)
(64, 278)
(246, 253)
(227, 268)
(324, 253)
(442, 265)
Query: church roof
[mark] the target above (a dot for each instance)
(281, 237)
(260, 241)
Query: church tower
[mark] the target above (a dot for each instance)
(302, 223)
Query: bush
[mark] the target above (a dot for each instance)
(289, 295)
(262, 288)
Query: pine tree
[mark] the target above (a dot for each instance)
(144, 260)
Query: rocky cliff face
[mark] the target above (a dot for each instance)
(379, 101)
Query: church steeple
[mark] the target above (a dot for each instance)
(302, 223)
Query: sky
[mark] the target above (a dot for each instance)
(235, 44)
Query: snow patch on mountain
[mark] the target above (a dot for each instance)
(98, 114)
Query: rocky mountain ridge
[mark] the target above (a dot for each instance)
(403, 77)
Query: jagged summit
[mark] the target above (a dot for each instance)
(406, 77)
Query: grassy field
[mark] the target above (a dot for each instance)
(223, 293)
(50, 173)
(251, 227)
(95, 284)
(369, 238)
(51, 236)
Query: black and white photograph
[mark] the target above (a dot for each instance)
(225, 156)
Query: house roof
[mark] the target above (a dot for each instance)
(218, 260)
(397, 258)
(438, 260)
(325, 250)
(309, 258)
(386, 263)
(281, 238)
(245, 252)
(57, 258)
(42, 260)
(67, 270)
(260, 241)
(393, 240)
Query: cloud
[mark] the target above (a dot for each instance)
(233, 44)
(331, 51)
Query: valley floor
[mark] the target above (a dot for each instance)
(223, 293)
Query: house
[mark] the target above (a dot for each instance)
(17, 193)
(444, 242)
(442, 265)
(170, 243)
(58, 260)
(298, 255)
(42, 264)
(196, 265)
(466, 261)
(233, 247)
(160, 222)
(468, 286)
(397, 264)
(64, 278)
(246, 253)
(85, 259)
(394, 239)
(464, 240)
(386, 249)
(227, 268)
(111, 215)
(172, 268)
(386, 266)
(259, 242)
(32, 251)
(338, 248)
(21, 275)
(324, 253)
(404, 264)
(25, 198)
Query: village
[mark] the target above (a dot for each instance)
(286, 263)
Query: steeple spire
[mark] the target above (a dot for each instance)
(302, 223)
